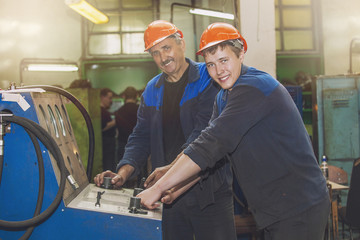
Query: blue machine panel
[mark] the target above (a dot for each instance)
(77, 216)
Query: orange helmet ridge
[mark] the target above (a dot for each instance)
(158, 31)
(219, 32)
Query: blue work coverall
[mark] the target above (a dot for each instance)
(257, 125)
(206, 210)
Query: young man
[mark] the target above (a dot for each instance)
(257, 126)
(175, 106)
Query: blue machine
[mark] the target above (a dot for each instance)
(77, 216)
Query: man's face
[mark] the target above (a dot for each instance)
(107, 100)
(224, 66)
(169, 56)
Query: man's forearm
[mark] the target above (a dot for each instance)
(182, 170)
(126, 171)
(182, 188)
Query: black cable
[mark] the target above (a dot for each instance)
(40, 198)
(45, 139)
(53, 148)
(86, 116)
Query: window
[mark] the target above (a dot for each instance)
(123, 34)
(295, 26)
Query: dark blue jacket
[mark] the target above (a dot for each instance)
(195, 112)
(258, 126)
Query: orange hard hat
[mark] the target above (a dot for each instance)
(219, 32)
(158, 31)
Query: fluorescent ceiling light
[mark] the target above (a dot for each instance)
(43, 67)
(87, 11)
(211, 13)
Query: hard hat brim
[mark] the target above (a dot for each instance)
(154, 43)
(208, 45)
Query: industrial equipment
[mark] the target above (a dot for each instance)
(338, 107)
(338, 119)
(44, 189)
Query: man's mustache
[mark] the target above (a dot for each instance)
(167, 61)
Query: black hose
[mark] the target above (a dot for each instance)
(86, 116)
(53, 148)
(40, 199)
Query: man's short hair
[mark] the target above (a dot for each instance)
(105, 91)
(177, 38)
(129, 93)
(235, 45)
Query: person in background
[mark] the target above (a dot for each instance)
(257, 126)
(125, 118)
(175, 107)
(108, 130)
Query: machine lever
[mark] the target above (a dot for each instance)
(98, 197)
(135, 206)
(141, 185)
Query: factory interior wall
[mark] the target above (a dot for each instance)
(257, 25)
(341, 23)
(37, 29)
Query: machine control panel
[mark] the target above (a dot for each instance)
(112, 201)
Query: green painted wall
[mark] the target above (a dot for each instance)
(90, 99)
(287, 67)
(119, 74)
(116, 75)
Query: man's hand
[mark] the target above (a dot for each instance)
(156, 175)
(168, 197)
(159, 172)
(116, 179)
(149, 197)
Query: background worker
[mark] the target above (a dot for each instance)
(175, 106)
(257, 125)
(125, 118)
(108, 130)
